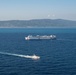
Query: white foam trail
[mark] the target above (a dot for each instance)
(66, 40)
(19, 55)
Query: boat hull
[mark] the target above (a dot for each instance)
(45, 37)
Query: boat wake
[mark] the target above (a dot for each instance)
(66, 40)
(24, 56)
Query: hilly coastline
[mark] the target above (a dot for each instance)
(41, 23)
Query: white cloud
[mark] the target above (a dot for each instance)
(49, 16)
(53, 15)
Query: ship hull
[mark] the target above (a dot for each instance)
(45, 37)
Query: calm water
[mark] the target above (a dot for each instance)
(58, 57)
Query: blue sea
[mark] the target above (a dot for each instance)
(57, 57)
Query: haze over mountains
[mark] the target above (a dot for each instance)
(37, 23)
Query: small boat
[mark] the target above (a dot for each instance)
(33, 57)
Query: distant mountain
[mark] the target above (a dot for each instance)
(37, 23)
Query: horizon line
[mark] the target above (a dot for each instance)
(34, 19)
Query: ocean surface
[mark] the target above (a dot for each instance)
(57, 57)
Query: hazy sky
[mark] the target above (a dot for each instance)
(37, 9)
